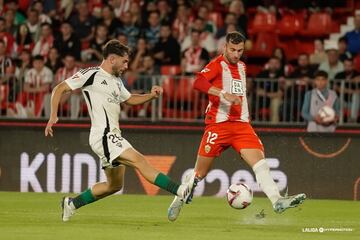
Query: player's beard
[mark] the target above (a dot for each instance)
(115, 71)
(231, 60)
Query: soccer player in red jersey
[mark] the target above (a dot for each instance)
(228, 124)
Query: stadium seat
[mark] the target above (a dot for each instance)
(263, 45)
(319, 25)
(290, 48)
(263, 22)
(289, 25)
(170, 70)
(304, 46)
(181, 100)
(36, 98)
(185, 91)
(253, 69)
(168, 84)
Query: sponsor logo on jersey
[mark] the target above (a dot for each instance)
(205, 70)
(115, 98)
(104, 82)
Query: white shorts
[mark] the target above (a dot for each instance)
(110, 147)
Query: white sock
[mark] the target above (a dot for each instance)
(266, 182)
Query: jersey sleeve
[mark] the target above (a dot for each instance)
(124, 93)
(210, 71)
(76, 81)
(205, 77)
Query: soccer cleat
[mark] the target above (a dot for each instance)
(186, 191)
(188, 187)
(175, 208)
(288, 202)
(67, 210)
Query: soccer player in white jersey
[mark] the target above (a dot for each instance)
(104, 91)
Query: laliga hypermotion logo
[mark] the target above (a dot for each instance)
(161, 163)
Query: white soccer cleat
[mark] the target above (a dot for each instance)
(67, 209)
(288, 202)
(186, 189)
(175, 208)
(185, 194)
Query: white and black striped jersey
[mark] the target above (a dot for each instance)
(103, 93)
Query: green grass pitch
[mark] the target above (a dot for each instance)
(37, 216)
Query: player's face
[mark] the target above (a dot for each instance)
(233, 52)
(119, 64)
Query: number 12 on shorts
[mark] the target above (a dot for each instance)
(211, 137)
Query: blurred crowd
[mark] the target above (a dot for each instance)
(44, 42)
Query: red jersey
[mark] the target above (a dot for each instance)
(231, 78)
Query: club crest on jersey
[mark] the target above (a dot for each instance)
(115, 98)
(207, 148)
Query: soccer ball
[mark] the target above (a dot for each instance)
(327, 113)
(239, 195)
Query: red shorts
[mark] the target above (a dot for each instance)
(219, 136)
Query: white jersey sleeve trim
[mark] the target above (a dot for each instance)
(79, 79)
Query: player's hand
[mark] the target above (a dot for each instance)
(48, 129)
(156, 91)
(232, 98)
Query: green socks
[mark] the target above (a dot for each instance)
(164, 182)
(83, 199)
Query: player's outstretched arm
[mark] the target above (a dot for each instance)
(205, 86)
(57, 92)
(137, 99)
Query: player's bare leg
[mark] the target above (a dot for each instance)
(133, 158)
(256, 159)
(202, 167)
(114, 183)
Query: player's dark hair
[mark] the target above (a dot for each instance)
(115, 47)
(321, 73)
(235, 37)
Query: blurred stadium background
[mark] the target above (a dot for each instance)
(44, 42)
